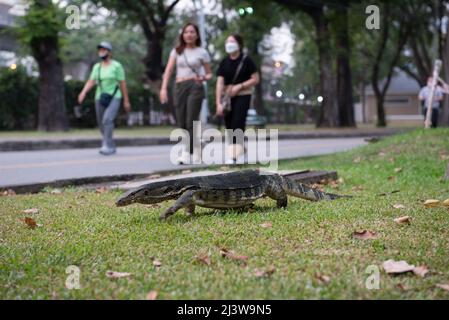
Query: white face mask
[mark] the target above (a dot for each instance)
(231, 47)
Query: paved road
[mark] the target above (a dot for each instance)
(28, 167)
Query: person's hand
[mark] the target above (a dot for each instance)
(127, 106)
(219, 111)
(199, 79)
(81, 97)
(163, 96)
(234, 90)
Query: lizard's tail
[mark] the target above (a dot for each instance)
(300, 190)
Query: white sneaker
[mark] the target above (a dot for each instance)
(240, 159)
(230, 161)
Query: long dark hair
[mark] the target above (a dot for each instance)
(182, 44)
(239, 40)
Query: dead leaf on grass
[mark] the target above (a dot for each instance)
(402, 220)
(152, 295)
(432, 203)
(204, 259)
(446, 203)
(30, 222)
(398, 170)
(397, 267)
(259, 273)
(444, 286)
(398, 206)
(364, 235)
(322, 278)
(266, 225)
(225, 253)
(116, 275)
(421, 271)
(31, 211)
(157, 263)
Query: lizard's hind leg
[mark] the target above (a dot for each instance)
(184, 201)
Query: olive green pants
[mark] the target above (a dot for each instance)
(188, 96)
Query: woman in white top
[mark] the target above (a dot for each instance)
(192, 68)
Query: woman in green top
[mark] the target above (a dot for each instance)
(109, 76)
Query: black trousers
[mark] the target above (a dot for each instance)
(236, 119)
(435, 116)
(189, 96)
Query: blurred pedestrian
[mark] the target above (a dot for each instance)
(424, 96)
(109, 76)
(192, 69)
(237, 76)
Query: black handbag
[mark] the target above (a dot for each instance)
(226, 99)
(105, 98)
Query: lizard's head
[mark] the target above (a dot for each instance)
(149, 193)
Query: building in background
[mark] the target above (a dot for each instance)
(401, 102)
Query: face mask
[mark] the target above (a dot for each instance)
(104, 56)
(231, 47)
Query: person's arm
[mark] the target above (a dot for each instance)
(87, 87)
(218, 94)
(208, 74)
(124, 89)
(163, 95)
(251, 82)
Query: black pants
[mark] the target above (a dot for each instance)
(189, 96)
(236, 119)
(435, 116)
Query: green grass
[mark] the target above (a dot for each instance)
(85, 229)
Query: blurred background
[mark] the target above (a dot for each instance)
(322, 63)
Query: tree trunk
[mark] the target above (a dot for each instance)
(153, 60)
(328, 114)
(52, 109)
(344, 74)
(381, 121)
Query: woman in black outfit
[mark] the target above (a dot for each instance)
(240, 90)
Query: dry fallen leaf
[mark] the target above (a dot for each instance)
(397, 170)
(31, 211)
(116, 275)
(152, 295)
(259, 273)
(225, 253)
(421, 271)
(266, 225)
(444, 286)
(30, 222)
(157, 263)
(205, 259)
(402, 220)
(364, 235)
(323, 278)
(358, 188)
(446, 203)
(397, 267)
(431, 203)
(398, 206)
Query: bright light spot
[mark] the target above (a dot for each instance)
(241, 11)
(13, 66)
(278, 64)
(279, 94)
(302, 96)
(250, 10)
(320, 99)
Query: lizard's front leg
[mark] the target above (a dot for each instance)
(184, 201)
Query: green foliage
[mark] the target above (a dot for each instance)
(43, 20)
(18, 99)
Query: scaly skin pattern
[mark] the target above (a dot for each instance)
(223, 191)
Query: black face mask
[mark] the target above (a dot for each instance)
(105, 57)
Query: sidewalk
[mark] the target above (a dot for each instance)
(83, 142)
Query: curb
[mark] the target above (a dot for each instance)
(83, 143)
